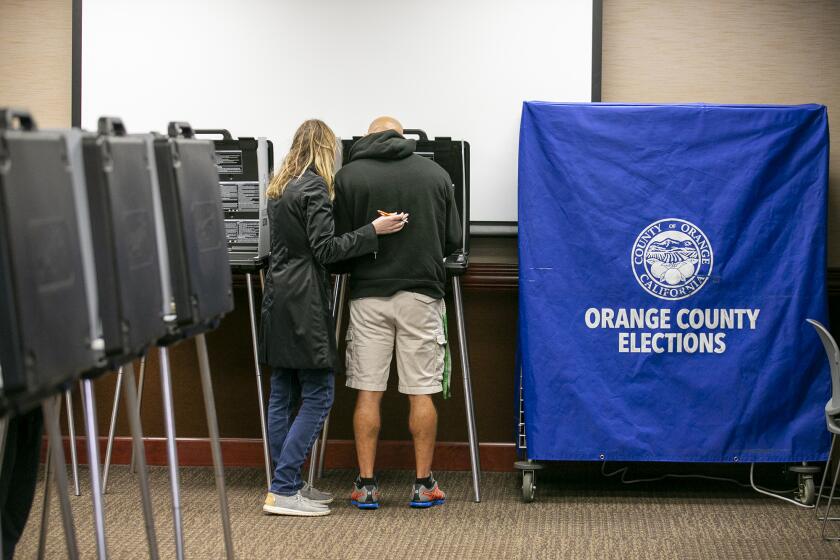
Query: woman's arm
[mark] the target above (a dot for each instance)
(320, 229)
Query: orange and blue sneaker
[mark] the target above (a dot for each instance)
(365, 496)
(425, 497)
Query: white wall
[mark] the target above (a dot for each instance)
(260, 67)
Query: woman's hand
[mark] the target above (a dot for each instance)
(392, 223)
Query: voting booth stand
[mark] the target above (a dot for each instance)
(669, 258)
(111, 243)
(454, 157)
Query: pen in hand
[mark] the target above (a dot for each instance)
(384, 213)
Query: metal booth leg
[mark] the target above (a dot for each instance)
(4, 428)
(339, 291)
(56, 453)
(93, 463)
(215, 447)
(322, 450)
(112, 429)
(133, 410)
(139, 400)
(171, 450)
(468, 397)
(71, 429)
(82, 397)
(258, 371)
(313, 462)
(45, 509)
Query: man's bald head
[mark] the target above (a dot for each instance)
(381, 124)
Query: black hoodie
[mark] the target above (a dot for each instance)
(384, 173)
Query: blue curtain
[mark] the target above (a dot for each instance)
(669, 256)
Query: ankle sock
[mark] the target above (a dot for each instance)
(367, 481)
(428, 482)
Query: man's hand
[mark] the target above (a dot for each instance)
(391, 223)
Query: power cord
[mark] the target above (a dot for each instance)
(624, 470)
(777, 496)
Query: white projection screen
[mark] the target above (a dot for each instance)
(260, 67)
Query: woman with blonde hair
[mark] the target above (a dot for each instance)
(297, 336)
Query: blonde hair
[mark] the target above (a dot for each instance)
(314, 144)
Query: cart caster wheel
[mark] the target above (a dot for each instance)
(528, 486)
(807, 493)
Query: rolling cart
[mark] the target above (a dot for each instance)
(604, 241)
(527, 468)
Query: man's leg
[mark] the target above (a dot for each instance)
(366, 423)
(422, 421)
(421, 351)
(370, 347)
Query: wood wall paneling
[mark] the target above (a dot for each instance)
(35, 58)
(490, 311)
(727, 51)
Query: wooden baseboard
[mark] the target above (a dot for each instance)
(341, 454)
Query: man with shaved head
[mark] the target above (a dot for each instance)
(396, 296)
(381, 124)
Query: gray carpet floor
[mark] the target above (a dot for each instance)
(677, 519)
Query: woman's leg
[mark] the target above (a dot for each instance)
(317, 391)
(281, 404)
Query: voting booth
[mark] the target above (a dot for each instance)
(47, 328)
(118, 197)
(163, 277)
(111, 243)
(45, 272)
(244, 166)
(669, 256)
(200, 281)
(122, 218)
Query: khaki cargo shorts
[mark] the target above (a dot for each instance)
(408, 322)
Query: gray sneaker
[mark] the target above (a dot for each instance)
(293, 505)
(314, 495)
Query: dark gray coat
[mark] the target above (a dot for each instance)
(297, 329)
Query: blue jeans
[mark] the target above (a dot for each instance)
(290, 440)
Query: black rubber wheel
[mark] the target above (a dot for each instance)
(528, 486)
(807, 490)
